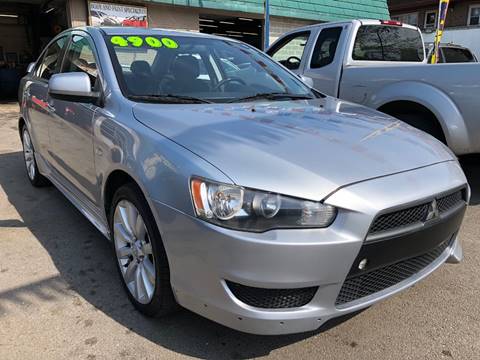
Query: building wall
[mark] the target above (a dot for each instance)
(170, 17)
(457, 14)
(316, 10)
(280, 25)
(77, 12)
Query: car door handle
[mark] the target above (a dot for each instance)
(50, 107)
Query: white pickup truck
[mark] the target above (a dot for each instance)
(380, 64)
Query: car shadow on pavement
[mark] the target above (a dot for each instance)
(84, 259)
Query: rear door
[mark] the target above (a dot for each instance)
(324, 66)
(72, 126)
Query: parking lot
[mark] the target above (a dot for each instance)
(60, 296)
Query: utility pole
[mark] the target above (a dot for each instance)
(266, 33)
(442, 18)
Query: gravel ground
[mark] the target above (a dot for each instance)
(60, 296)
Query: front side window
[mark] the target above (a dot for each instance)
(289, 51)
(50, 60)
(474, 17)
(79, 57)
(204, 68)
(388, 43)
(326, 47)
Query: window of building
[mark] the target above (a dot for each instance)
(430, 19)
(474, 15)
(410, 19)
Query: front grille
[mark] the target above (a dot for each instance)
(272, 298)
(400, 218)
(414, 215)
(450, 201)
(377, 280)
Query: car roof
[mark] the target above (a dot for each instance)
(450, 45)
(129, 30)
(345, 22)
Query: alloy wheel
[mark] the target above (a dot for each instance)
(28, 154)
(134, 252)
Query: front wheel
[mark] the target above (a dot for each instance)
(141, 258)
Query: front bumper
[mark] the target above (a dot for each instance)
(203, 257)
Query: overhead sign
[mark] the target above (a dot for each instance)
(108, 14)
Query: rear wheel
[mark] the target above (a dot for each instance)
(36, 179)
(141, 257)
(423, 122)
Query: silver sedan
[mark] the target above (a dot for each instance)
(229, 187)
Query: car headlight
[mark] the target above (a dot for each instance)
(245, 209)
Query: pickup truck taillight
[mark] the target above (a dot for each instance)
(391, 22)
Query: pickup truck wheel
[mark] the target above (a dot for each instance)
(36, 179)
(141, 257)
(423, 122)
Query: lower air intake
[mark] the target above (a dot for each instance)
(272, 298)
(377, 280)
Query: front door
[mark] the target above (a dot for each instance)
(39, 112)
(71, 134)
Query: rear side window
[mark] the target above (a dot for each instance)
(388, 43)
(457, 55)
(50, 60)
(326, 47)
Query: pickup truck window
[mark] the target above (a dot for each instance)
(457, 55)
(388, 43)
(326, 47)
(289, 51)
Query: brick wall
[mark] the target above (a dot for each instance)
(279, 25)
(457, 14)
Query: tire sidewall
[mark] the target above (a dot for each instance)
(37, 180)
(162, 294)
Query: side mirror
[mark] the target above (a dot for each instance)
(74, 86)
(30, 67)
(306, 80)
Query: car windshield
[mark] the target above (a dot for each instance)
(188, 68)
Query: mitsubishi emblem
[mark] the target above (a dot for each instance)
(433, 212)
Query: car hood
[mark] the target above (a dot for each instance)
(301, 148)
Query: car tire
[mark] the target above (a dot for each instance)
(36, 179)
(140, 254)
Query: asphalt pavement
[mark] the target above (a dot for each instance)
(61, 298)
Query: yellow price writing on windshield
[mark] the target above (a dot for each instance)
(137, 41)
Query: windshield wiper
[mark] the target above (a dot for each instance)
(169, 99)
(274, 96)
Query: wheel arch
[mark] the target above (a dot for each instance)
(426, 96)
(115, 179)
(409, 107)
(21, 124)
